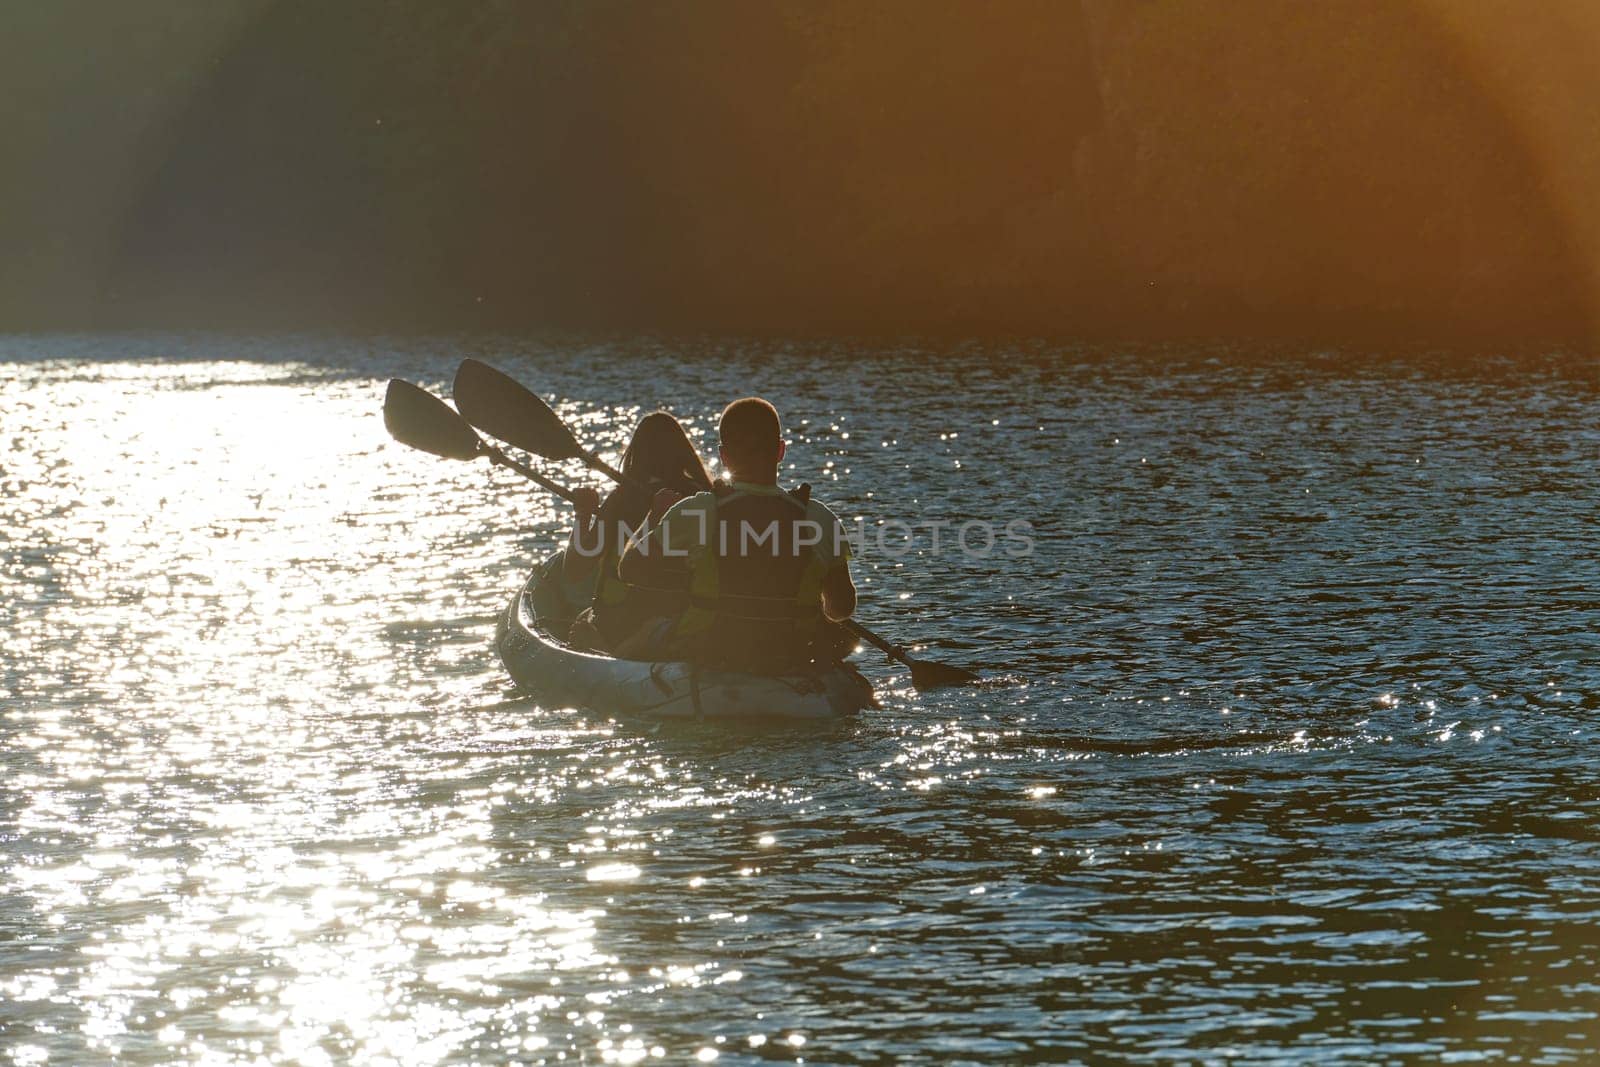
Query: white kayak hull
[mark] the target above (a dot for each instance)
(560, 676)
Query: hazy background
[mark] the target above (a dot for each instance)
(1372, 170)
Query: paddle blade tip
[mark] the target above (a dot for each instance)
(415, 417)
(928, 675)
(503, 407)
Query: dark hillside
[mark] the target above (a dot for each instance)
(1361, 171)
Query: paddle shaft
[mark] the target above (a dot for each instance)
(894, 652)
(500, 459)
(594, 462)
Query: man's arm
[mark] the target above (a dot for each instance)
(838, 592)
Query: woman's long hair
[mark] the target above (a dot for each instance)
(660, 451)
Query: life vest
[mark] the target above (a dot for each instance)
(609, 590)
(557, 598)
(755, 597)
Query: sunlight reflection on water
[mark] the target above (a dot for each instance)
(1294, 763)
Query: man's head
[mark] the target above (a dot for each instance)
(751, 439)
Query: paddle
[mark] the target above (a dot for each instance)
(415, 417)
(925, 674)
(501, 406)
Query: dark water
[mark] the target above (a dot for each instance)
(1290, 757)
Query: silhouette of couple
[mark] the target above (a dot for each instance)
(739, 575)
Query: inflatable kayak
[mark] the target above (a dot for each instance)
(550, 671)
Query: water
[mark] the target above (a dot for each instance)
(1290, 757)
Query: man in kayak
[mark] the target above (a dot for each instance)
(766, 570)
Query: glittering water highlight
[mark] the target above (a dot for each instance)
(1289, 756)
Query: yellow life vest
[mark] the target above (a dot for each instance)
(755, 597)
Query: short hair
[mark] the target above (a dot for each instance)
(749, 432)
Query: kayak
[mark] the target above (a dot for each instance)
(552, 672)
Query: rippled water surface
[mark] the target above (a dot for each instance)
(1290, 755)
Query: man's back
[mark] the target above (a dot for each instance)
(755, 560)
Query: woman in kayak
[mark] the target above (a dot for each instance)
(660, 455)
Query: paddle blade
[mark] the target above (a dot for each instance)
(417, 418)
(929, 675)
(500, 406)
